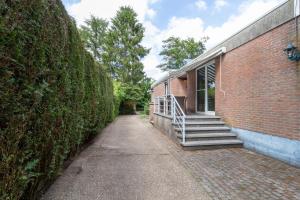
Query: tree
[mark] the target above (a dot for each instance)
(119, 49)
(146, 87)
(123, 49)
(93, 34)
(177, 52)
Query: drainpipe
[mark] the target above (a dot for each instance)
(224, 93)
(296, 14)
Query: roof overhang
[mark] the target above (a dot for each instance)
(197, 62)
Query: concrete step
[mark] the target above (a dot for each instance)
(201, 123)
(207, 136)
(211, 144)
(202, 118)
(206, 129)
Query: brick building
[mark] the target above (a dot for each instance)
(248, 81)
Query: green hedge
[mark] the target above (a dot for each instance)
(53, 96)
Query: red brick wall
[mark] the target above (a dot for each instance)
(262, 86)
(178, 87)
(191, 91)
(158, 90)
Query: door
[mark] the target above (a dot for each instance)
(205, 97)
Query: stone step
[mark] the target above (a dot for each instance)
(201, 123)
(211, 144)
(201, 118)
(207, 136)
(206, 129)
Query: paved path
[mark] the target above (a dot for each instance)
(127, 161)
(132, 160)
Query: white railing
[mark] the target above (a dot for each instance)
(162, 105)
(169, 106)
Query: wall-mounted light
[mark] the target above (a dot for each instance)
(292, 52)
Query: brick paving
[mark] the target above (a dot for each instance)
(237, 173)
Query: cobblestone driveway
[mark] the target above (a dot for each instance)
(238, 173)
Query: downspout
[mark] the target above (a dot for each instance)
(296, 13)
(223, 91)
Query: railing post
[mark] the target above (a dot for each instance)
(173, 109)
(154, 104)
(183, 130)
(158, 105)
(160, 111)
(164, 105)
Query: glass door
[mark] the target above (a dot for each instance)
(201, 89)
(211, 87)
(205, 97)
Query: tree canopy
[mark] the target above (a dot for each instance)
(94, 34)
(123, 49)
(177, 52)
(117, 46)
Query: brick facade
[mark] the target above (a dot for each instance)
(261, 85)
(191, 94)
(158, 90)
(178, 86)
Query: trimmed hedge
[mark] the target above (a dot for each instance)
(53, 96)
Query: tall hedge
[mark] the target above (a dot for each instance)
(53, 96)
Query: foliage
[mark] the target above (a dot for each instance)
(145, 86)
(93, 33)
(127, 95)
(132, 95)
(177, 52)
(123, 49)
(53, 95)
(146, 109)
(117, 97)
(119, 48)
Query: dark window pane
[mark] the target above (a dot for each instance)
(211, 87)
(201, 101)
(201, 78)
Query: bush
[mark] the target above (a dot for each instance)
(53, 96)
(146, 109)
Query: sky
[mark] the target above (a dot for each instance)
(216, 19)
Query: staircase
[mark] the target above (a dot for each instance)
(206, 132)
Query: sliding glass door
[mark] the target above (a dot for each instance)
(205, 97)
(201, 90)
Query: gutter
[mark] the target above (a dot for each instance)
(200, 60)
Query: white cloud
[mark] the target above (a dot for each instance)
(181, 27)
(248, 11)
(184, 28)
(177, 27)
(107, 9)
(220, 4)
(201, 5)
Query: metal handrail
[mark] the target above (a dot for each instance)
(161, 106)
(178, 116)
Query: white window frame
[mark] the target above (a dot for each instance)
(206, 112)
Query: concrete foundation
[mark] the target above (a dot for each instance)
(286, 150)
(164, 124)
